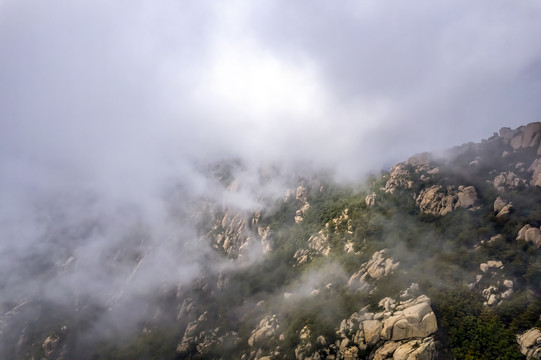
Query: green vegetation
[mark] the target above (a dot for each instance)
(442, 254)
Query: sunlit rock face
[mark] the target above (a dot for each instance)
(508, 181)
(530, 234)
(439, 200)
(399, 177)
(377, 267)
(502, 208)
(530, 343)
(402, 330)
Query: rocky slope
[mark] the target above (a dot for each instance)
(437, 258)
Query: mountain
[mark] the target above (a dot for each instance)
(437, 258)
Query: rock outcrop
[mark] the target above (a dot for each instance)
(502, 208)
(414, 321)
(53, 346)
(418, 349)
(266, 328)
(377, 267)
(371, 199)
(400, 331)
(266, 239)
(535, 169)
(524, 137)
(230, 233)
(320, 242)
(301, 195)
(530, 344)
(440, 200)
(399, 177)
(508, 180)
(530, 234)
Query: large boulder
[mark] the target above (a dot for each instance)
(370, 200)
(386, 351)
(466, 197)
(531, 135)
(267, 327)
(524, 137)
(502, 208)
(535, 169)
(530, 234)
(399, 177)
(530, 343)
(508, 180)
(416, 350)
(377, 267)
(320, 242)
(230, 232)
(440, 200)
(417, 321)
(372, 330)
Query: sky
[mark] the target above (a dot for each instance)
(107, 102)
(105, 92)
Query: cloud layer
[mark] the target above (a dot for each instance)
(106, 104)
(102, 91)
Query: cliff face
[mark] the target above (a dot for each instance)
(437, 258)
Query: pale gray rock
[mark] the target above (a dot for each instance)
(378, 266)
(508, 180)
(504, 212)
(230, 232)
(530, 234)
(387, 350)
(507, 134)
(266, 240)
(490, 264)
(53, 347)
(499, 204)
(416, 350)
(267, 327)
(495, 264)
(516, 141)
(421, 159)
(299, 215)
(301, 193)
(417, 321)
(439, 200)
(399, 177)
(320, 242)
(191, 334)
(302, 256)
(484, 267)
(530, 343)
(467, 197)
(535, 169)
(372, 330)
(340, 222)
(531, 135)
(408, 322)
(494, 238)
(370, 200)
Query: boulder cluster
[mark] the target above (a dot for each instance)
(377, 267)
(402, 330)
(440, 200)
(530, 343)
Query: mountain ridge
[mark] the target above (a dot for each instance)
(436, 258)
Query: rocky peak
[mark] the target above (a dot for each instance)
(524, 137)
